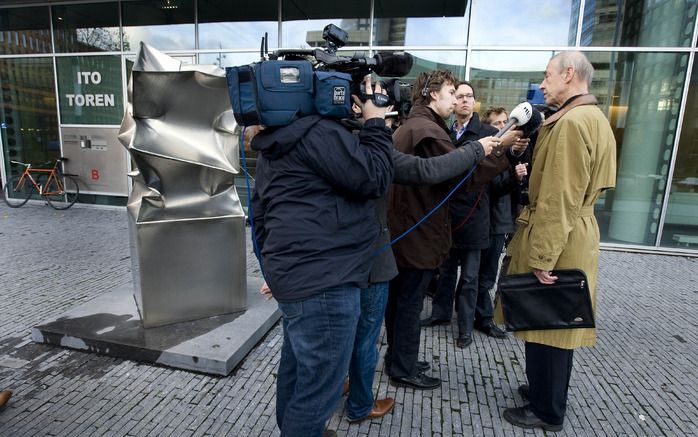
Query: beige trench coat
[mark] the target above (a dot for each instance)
(574, 160)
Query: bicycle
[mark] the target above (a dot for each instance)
(58, 189)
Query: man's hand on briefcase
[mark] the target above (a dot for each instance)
(544, 276)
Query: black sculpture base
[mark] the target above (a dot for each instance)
(110, 325)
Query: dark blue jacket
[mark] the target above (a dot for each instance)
(314, 218)
(470, 217)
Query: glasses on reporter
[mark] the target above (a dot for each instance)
(464, 97)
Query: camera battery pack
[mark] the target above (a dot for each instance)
(275, 93)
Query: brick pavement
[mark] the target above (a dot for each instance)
(639, 380)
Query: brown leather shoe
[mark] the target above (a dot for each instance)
(5, 396)
(381, 407)
(345, 387)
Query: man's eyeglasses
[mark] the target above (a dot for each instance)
(465, 96)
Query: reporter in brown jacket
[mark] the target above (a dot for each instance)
(424, 133)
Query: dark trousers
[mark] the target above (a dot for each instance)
(548, 370)
(466, 298)
(405, 300)
(489, 267)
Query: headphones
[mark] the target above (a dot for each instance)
(425, 90)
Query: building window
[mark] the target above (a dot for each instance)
(28, 111)
(681, 219)
(163, 24)
(227, 25)
(630, 23)
(23, 23)
(533, 23)
(92, 27)
(303, 24)
(399, 23)
(640, 93)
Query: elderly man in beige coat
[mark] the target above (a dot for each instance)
(574, 161)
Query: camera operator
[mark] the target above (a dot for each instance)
(315, 229)
(409, 170)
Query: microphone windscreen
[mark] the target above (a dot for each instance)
(522, 113)
(533, 124)
(393, 64)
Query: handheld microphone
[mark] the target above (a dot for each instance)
(532, 126)
(519, 116)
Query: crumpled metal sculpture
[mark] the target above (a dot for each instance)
(187, 226)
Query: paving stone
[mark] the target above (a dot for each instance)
(643, 364)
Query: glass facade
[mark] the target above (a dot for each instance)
(28, 105)
(67, 65)
(92, 27)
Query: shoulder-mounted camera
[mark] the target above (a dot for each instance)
(291, 83)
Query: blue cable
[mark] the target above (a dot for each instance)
(445, 199)
(250, 215)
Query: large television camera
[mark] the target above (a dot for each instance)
(292, 83)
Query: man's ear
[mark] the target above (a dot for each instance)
(434, 95)
(569, 74)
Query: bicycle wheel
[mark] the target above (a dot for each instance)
(61, 195)
(18, 196)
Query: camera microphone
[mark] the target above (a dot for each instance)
(519, 116)
(393, 64)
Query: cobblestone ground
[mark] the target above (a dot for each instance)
(639, 380)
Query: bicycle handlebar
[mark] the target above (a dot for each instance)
(54, 162)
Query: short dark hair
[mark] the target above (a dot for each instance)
(429, 81)
(465, 82)
(492, 110)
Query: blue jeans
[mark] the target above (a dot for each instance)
(365, 354)
(318, 339)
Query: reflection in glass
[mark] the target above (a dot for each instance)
(681, 219)
(437, 60)
(504, 78)
(400, 23)
(641, 95)
(303, 24)
(225, 24)
(87, 28)
(28, 109)
(529, 23)
(227, 59)
(426, 61)
(632, 23)
(163, 24)
(89, 89)
(25, 30)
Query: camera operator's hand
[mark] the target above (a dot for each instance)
(370, 110)
(489, 143)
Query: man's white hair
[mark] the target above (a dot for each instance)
(578, 62)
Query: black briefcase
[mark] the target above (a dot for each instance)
(527, 304)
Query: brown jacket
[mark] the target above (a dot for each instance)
(425, 134)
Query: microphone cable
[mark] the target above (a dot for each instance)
(427, 215)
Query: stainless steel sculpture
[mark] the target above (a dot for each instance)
(187, 226)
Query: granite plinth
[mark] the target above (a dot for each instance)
(110, 325)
